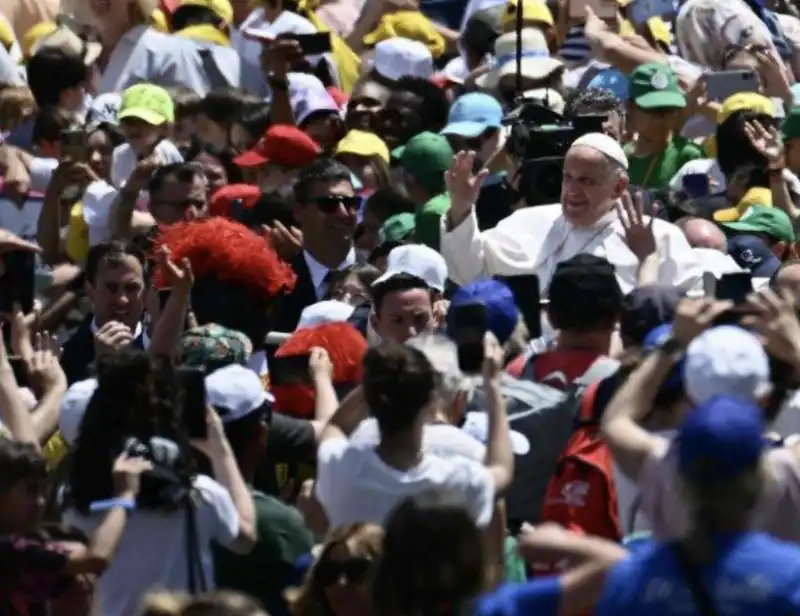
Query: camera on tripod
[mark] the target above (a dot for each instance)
(540, 138)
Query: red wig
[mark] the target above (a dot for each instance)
(229, 251)
(346, 348)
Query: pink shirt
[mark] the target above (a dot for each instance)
(664, 504)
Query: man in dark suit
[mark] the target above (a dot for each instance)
(115, 284)
(325, 208)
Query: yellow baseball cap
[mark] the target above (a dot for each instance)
(412, 25)
(743, 101)
(7, 38)
(221, 8)
(149, 103)
(362, 143)
(754, 196)
(35, 34)
(159, 21)
(658, 29)
(532, 10)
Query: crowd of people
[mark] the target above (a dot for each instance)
(399, 307)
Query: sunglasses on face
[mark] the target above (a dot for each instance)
(330, 203)
(354, 571)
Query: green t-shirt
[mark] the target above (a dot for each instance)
(269, 569)
(679, 151)
(427, 220)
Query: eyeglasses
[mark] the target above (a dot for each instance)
(330, 203)
(354, 571)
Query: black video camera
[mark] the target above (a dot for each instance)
(540, 138)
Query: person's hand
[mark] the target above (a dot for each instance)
(287, 242)
(694, 316)
(143, 171)
(17, 178)
(215, 442)
(774, 318)
(463, 186)
(774, 74)
(697, 95)
(127, 474)
(766, 142)
(179, 277)
(440, 313)
(544, 542)
(22, 327)
(279, 55)
(638, 233)
(70, 173)
(11, 241)
(594, 27)
(493, 357)
(6, 370)
(44, 369)
(319, 364)
(112, 336)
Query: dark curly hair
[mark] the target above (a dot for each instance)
(137, 396)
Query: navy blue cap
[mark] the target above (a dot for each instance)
(502, 314)
(720, 439)
(653, 340)
(645, 308)
(754, 255)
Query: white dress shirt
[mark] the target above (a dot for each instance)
(534, 240)
(319, 271)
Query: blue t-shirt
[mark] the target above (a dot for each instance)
(755, 574)
(539, 597)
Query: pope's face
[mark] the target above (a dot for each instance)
(590, 187)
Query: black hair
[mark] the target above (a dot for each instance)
(185, 16)
(274, 205)
(182, 172)
(49, 123)
(434, 104)
(19, 462)
(367, 274)
(584, 295)
(112, 252)
(137, 396)
(51, 72)
(591, 101)
(751, 175)
(222, 105)
(395, 284)
(399, 382)
(321, 171)
(255, 118)
(224, 157)
(185, 100)
(388, 201)
(240, 433)
(734, 149)
(113, 132)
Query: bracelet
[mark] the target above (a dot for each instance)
(128, 504)
(671, 348)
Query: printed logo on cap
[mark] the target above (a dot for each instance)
(659, 80)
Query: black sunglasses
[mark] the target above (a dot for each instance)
(354, 570)
(330, 203)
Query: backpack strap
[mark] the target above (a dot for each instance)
(600, 369)
(586, 413)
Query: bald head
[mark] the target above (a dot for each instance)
(702, 233)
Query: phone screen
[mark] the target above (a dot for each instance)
(734, 287)
(724, 84)
(468, 330)
(19, 281)
(74, 144)
(291, 370)
(313, 44)
(194, 401)
(527, 297)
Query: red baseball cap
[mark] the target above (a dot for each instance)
(283, 144)
(222, 200)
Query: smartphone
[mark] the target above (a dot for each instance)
(696, 185)
(291, 370)
(639, 11)
(75, 144)
(604, 9)
(313, 44)
(526, 290)
(194, 401)
(734, 287)
(468, 330)
(723, 84)
(18, 284)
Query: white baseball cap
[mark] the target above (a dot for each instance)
(416, 260)
(726, 360)
(234, 392)
(401, 57)
(327, 311)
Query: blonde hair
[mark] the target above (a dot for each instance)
(218, 603)
(309, 598)
(16, 105)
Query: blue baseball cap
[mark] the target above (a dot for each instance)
(754, 255)
(502, 314)
(471, 114)
(719, 439)
(611, 80)
(653, 340)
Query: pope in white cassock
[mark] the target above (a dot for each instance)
(535, 239)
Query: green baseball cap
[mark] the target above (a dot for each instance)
(790, 127)
(426, 157)
(397, 228)
(767, 220)
(147, 102)
(655, 86)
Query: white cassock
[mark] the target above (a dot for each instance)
(534, 240)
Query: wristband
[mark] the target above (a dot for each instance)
(128, 504)
(671, 347)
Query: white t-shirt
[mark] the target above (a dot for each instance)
(355, 485)
(438, 439)
(152, 551)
